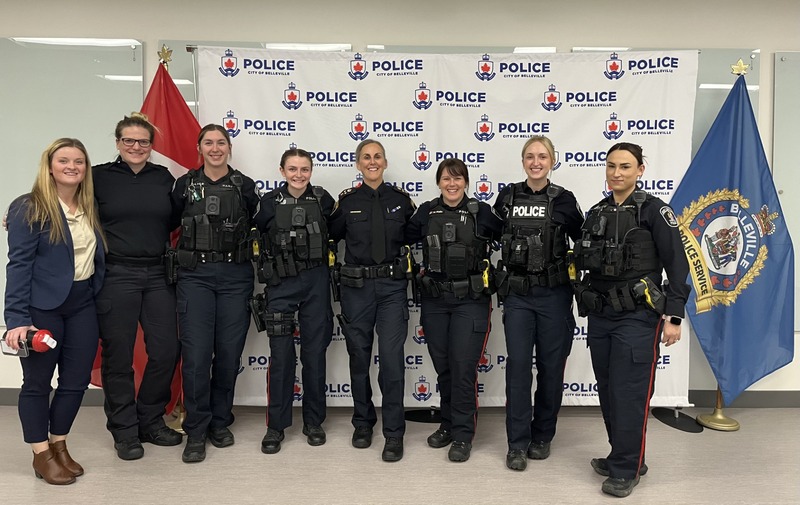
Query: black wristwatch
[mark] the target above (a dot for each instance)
(674, 320)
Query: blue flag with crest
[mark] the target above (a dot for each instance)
(739, 251)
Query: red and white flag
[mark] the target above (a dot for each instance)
(175, 144)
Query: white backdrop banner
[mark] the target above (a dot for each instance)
(479, 108)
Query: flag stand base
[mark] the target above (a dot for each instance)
(718, 421)
(677, 419)
(432, 415)
(179, 414)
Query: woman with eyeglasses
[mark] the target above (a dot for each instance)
(137, 215)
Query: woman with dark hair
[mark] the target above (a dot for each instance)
(294, 266)
(136, 212)
(539, 219)
(215, 282)
(456, 233)
(55, 269)
(627, 240)
(372, 219)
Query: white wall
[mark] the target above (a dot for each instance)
(769, 25)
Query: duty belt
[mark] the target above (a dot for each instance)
(215, 257)
(368, 272)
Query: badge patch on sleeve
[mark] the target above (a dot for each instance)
(669, 216)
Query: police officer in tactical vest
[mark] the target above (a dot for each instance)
(456, 286)
(214, 284)
(294, 265)
(627, 240)
(539, 218)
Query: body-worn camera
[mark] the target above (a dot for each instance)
(298, 216)
(449, 233)
(212, 205)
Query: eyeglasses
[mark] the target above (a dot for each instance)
(130, 142)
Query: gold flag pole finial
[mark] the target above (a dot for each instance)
(740, 68)
(165, 56)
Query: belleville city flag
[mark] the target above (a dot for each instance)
(739, 251)
(175, 147)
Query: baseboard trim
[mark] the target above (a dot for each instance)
(748, 399)
(700, 398)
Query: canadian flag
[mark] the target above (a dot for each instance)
(175, 144)
(175, 147)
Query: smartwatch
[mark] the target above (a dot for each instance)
(674, 320)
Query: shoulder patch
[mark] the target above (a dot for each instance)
(669, 216)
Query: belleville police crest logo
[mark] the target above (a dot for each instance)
(422, 158)
(485, 363)
(552, 99)
(291, 97)
(485, 69)
(297, 391)
(231, 123)
(422, 97)
(228, 64)
(483, 129)
(358, 128)
(614, 67)
(613, 128)
(422, 390)
(419, 335)
(483, 189)
(358, 70)
(724, 244)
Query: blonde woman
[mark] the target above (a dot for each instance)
(55, 269)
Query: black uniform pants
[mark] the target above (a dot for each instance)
(213, 319)
(74, 326)
(456, 332)
(308, 294)
(130, 295)
(624, 350)
(541, 320)
(381, 305)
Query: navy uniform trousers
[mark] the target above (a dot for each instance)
(624, 350)
(74, 326)
(132, 294)
(541, 320)
(308, 293)
(213, 319)
(456, 331)
(381, 306)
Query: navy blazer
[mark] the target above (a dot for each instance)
(40, 274)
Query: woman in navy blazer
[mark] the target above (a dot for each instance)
(55, 267)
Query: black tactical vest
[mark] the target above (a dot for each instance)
(452, 246)
(531, 241)
(299, 229)
(215, 216)
(613, 246)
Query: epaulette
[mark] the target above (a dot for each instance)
(405, 193)
(553, 190)
(347, 192)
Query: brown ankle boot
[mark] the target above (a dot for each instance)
(47, 467)
(62, 456)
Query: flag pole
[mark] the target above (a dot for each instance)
(179, 412)
(718, 420)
